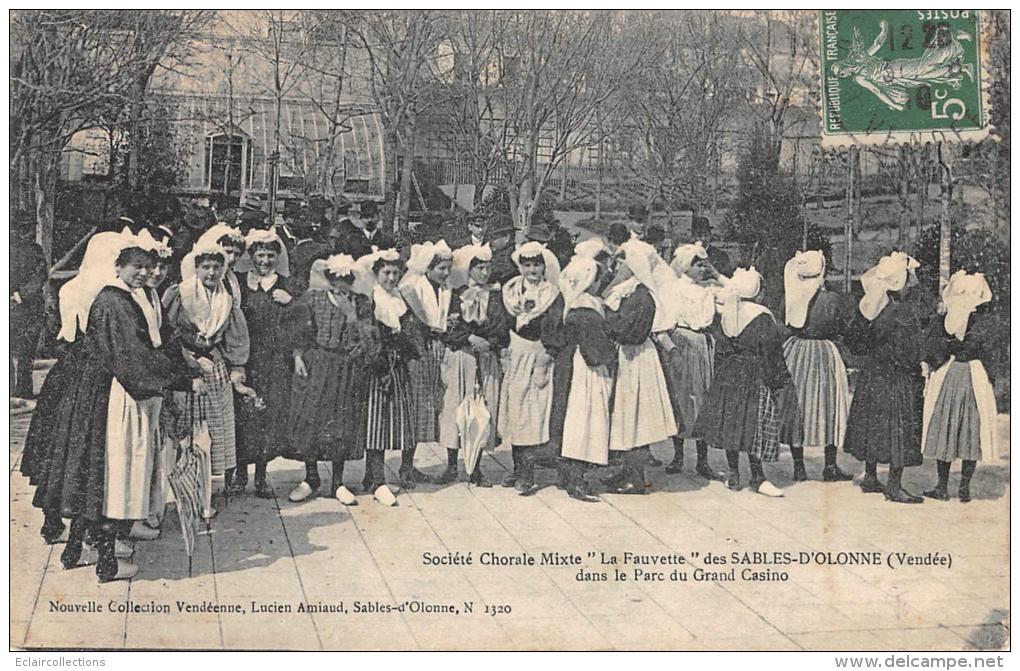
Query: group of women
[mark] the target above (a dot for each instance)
(580, 367)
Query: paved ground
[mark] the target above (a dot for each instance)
(275, 552)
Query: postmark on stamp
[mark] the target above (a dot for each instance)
(902, 76)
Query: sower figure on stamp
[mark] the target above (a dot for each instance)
(583, 374)
(741, 412)
(479, 329)
(884, 424)
(326, 414)
(959, 403)
(526, 395)
(642, 412)
(687, 351)
(818, 400)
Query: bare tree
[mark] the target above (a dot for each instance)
(781, 56)
(467, 75)
(555, 79)
(280, 39)
(677, 101)
(399, 45)
(72, 68)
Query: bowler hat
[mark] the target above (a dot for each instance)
(538, 233)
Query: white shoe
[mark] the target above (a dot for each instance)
(123, 549)
(384, 496)
(141, 532)
(346, 496)
(300, 493)
(768, 489)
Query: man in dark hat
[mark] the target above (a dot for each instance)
(701, 230)
(480, 231)
(368, 235)
(326, 241)
(252, 215)
(638, 215)
(27, 304)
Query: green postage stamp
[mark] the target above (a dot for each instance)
(902, 76)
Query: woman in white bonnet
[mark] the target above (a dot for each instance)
(959, 404)
(687, 351)
(642, 411)
(884, 424)
(328, 331)
(479, 329)
(426, 291)
(819, 398)
(741, 411)
(532, 301)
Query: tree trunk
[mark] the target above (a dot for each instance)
(407, 153)
(945, 223)
(45, 185)
(390, 180)
(598, 185)
(848, 226)
(902, 233)
(137, 105)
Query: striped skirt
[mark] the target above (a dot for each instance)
(822, 394)
(388, 411)
(215, 408)
(427, 391)
(954, 428)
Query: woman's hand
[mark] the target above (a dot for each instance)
(299, 366)
(281, 296)
(245, 390)
(198, 385)
(205, 364)
(478, 343)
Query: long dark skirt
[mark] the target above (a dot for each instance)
(71, 483)
(884, 424)
(259, 432)
(38, 443)
(326, 416)
(740, 414)
(388, 411)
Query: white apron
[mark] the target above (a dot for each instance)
(132, 437)
(526, 396)
(586, 427)
(983, 394)
(642, 411)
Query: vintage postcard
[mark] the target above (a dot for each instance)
(510, 330)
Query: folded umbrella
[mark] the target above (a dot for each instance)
(474, 423)
(189, 480)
